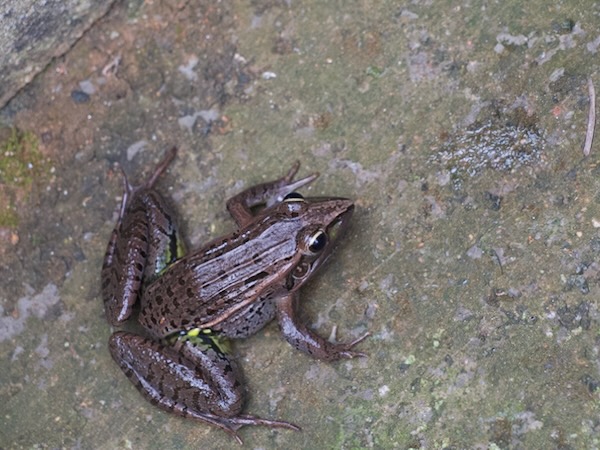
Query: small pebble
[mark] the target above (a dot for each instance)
(80, 96)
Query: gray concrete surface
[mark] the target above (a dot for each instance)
(473, 254)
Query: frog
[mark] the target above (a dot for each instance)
(193, 304)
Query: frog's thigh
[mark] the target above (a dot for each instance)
(186, 378)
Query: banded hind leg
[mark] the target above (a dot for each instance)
(143, 242)
(191, 376)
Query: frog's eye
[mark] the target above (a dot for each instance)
(293, 197)
(317, 241)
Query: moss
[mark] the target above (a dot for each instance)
(21, 163)
(20, 159)
(8, 218)
(374, 71)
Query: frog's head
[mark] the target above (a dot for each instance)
(322, 221)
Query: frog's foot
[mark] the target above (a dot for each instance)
(267, 194)
(129, 189)
(286, 185)
(232, 424)
(345, 350)
(161, 167)
(157, 172)
(297, 334)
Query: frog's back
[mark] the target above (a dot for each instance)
(220, 280)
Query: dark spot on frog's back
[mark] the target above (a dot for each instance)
(257, 277)
(210, 311)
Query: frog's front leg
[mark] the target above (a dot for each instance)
(240, 206)
(190, 376)
(297, 334)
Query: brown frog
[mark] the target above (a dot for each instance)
(229, 288)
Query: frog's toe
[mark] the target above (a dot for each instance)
(359, 339)
(232, 424)
(346, 349)
(253, 420)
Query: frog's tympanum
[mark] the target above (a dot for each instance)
(230, 288)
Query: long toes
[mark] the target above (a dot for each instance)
(359, 340)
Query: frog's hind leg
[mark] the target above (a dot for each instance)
(191, 377)
(143, 242)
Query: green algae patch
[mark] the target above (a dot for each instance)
(8, 218)
(21, 159)
(21, 163)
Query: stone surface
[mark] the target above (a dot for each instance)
(472, 256)
(33, 32)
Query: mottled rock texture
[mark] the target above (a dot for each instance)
(33, 32)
